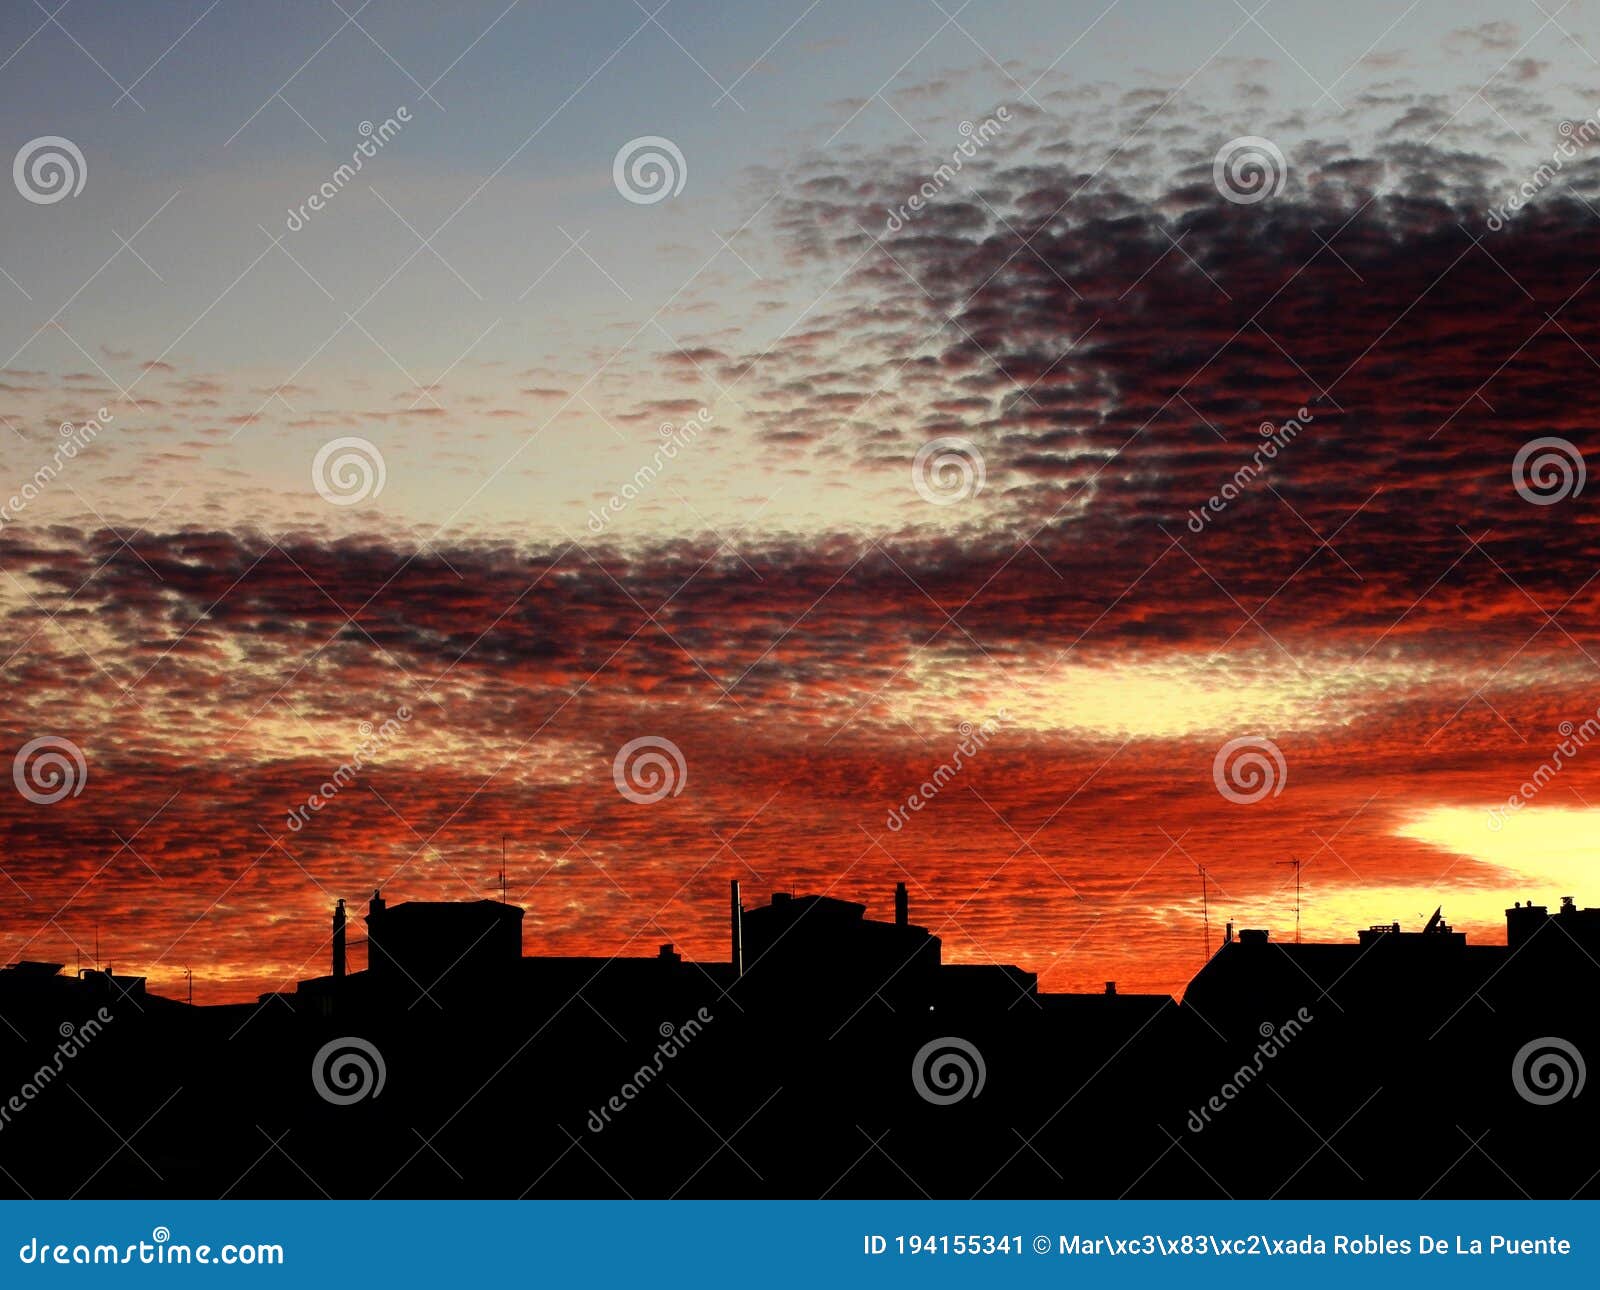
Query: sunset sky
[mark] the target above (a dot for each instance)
(1396, 612)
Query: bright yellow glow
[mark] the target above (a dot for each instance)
(1539, 854)
(1177, 695)
(1541, 851)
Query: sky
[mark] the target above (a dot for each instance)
(1034, 452)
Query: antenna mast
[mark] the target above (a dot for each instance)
(1205, 908)
(502, 868)
(1297, 865)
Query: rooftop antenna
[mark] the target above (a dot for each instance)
(1205, 908)
(502, 868)
(1297, 865)
(97, 947)
(188, 974)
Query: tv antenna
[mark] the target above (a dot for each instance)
(188, 975)
(502, 868)
(1205, 908)
(1297, 865)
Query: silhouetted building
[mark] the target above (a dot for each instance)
(31, 970)
(424, 946)
(823, 1032)
(1580, 926)
(817, 947)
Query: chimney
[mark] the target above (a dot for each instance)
(1111, 987)
(736, 915)
(902, 906)
(375, 906)
(338, 941)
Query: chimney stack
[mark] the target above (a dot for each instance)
(338, 941)
(736, 914)
(902, 906)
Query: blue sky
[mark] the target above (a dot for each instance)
(539, 97)
(243, 110)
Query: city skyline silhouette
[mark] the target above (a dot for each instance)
(460, 1066)
(1079, 510)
